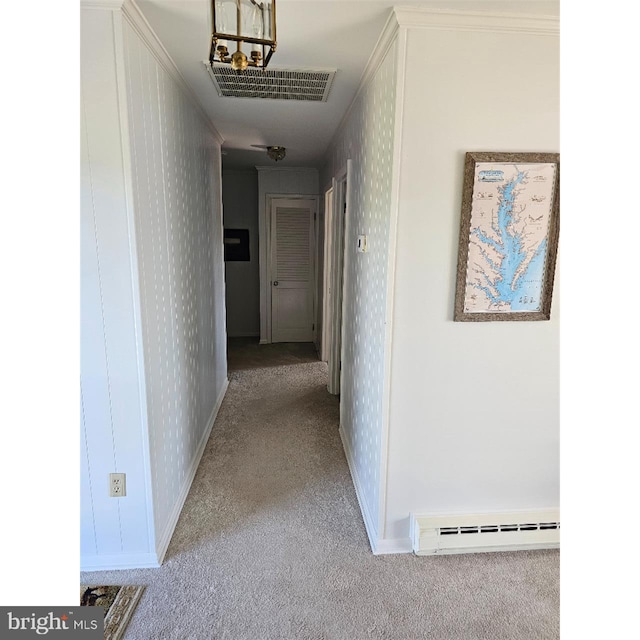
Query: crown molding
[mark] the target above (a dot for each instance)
(451, 20)
(102, 4)
(384, 43)
(386, 39)
(134, 17)
(132, 14)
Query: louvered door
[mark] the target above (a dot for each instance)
(292, 270)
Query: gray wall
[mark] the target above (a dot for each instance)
(240, 206)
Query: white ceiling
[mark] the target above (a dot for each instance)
(312, 34)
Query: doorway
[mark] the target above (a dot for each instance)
(336, 232)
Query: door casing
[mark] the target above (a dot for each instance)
(339, 270)
(325, 343)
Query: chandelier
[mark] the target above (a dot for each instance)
(238, 22)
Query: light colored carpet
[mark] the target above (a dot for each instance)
(271, 545)
(248, 353)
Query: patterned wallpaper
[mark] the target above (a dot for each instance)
(176, 184)
(367, 139)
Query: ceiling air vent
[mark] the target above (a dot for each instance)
(277, 84)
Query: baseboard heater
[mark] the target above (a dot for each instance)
(447, 534)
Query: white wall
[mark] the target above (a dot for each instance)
(177, 195)
(366, 137)
(153, 161)
(474, 406)
(240, 204)
(276, 181)
(114, 437)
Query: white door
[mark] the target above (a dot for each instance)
(292, 270)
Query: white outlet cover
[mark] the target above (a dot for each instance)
(362, 244)
(117, 485)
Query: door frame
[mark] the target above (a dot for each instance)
(266, 285)
(325, 340)
(340, 233)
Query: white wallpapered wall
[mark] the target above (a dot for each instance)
(111, 409)
(176, 185)
(367, 139)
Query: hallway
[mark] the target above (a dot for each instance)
(270, 544)
(248, 353)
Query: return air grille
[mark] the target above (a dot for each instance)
(275, 84)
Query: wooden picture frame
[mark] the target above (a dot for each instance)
(509, 229)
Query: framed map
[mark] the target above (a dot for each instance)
(508, 236)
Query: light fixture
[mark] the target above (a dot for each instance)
(276, 153)
(243, 21)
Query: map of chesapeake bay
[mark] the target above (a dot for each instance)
(510, 214)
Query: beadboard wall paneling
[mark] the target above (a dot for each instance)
(177, 197)
(112, 430)
(366, 137)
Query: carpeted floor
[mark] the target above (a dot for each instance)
(271, 545)
(248, 353)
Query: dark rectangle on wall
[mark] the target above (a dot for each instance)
(236, 245)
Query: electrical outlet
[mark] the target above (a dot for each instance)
(117, 485)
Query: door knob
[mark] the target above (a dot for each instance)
(275, 284)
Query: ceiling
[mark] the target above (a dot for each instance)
(312, 34)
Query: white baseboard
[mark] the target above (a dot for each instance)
(106, 562)
(119, 561)
(393, 545)
(366, 516)
(163, 543)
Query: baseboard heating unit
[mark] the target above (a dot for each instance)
(442, 534)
